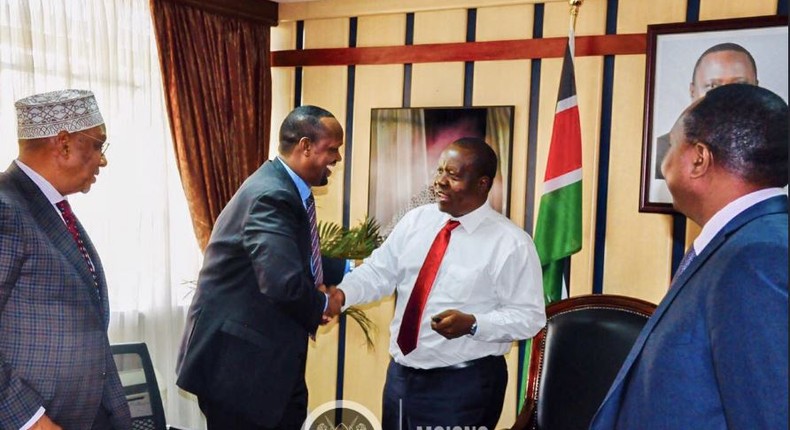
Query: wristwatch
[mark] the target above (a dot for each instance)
(473, 329)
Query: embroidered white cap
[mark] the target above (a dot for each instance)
(45, 115)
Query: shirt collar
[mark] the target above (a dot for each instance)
(301, 185)
(49, 191)
(727, 213)
(471, 221)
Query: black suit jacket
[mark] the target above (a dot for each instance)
(245, 342)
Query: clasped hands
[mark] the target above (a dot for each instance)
(336, 299)
(451, 323)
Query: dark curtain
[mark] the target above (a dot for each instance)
(217, 82)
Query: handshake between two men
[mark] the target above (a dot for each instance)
(450, 323)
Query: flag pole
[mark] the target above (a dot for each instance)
(564, 191)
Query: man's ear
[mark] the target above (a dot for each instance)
(63, 141)
(703, 160)
(305, 145)
(484, 184)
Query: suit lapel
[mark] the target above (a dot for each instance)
(772, 205)
(53, 226)
(304, 239)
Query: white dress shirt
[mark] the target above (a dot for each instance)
(491, 270)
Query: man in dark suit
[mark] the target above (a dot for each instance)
(259, 293)
(714, 353)
(56, 368)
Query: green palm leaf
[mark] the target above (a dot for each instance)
(352, 244)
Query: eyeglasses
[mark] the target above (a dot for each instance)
(104, 145)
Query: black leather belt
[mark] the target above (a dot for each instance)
(457, 366)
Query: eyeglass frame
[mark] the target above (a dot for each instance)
(104, 145)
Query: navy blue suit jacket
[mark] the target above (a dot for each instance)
(714, 353)
(245, 342)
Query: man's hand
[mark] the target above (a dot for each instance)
(336, 301)
(44, 423)
(452, 323)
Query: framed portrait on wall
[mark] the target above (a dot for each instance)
(405, 145)
(684, 61)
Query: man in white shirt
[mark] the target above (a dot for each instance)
(714, 353)
(453, 322)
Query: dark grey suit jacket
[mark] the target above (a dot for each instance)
(245, 342)
(54, 350)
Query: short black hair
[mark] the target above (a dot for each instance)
(304, 121)
(745, 127)
(485, 160)
(726, 46)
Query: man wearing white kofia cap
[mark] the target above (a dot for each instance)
(56, 368)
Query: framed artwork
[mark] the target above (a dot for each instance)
(405, 145)
(685, 60)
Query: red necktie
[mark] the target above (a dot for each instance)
(71, 224)
(315, 247)
(410, 325)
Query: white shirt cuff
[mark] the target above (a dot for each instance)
(39, 413)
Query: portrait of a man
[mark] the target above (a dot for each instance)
(685, 61)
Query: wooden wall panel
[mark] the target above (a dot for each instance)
(445, 26)
(638, 245)
(283, 37)
(376, 86)
(507, 83)
(721, 9)
(633, 16)
(505, 23)
(326, 33)
(381, 30)
(335, 8)
(438, 84)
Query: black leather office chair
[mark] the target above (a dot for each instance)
(139, 384)
(576, 357)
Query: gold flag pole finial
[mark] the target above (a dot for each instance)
(575, 5)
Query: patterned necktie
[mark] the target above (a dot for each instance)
(71, 224)
(684, 264)
(315, 258)
(410, 325)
